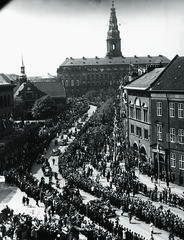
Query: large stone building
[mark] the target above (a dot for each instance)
(167, 116)
(155, 103)
(139, 113)
(79, 75)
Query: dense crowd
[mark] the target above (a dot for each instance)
(74, 216)
(144, 210)
(68, 206)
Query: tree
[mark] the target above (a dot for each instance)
(44, 107)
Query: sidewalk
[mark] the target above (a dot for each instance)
(179, 190)
(138, 226)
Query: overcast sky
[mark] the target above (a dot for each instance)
(45, 32)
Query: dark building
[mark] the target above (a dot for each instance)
(167, 116)
(79, 75)
(6, 111)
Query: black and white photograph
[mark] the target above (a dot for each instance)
(92, 120)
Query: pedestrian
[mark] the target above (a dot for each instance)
(151, 228)
(24, 200)
(27, 200)
(37, 200)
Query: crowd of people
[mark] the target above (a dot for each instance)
(144, 210)
(75, 217)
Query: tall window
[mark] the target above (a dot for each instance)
(159, 109)
(145, 115)
(181, 161)
(138, 113)
(138, 132)
(72, 83)
(172, 109)
(159, 132)
(131, 111)
(181, 135)
(173, 160)
(132, 128)
(145, 134)
(180, 110)
(172, 134)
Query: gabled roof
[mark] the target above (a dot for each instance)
(172, 79)
(145, 81)
(115, 61)
(51, 88)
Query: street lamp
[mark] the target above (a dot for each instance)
(158, 155)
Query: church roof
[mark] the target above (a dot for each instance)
(145, 81)
(51, 88)
(172, 77)
(115, 61)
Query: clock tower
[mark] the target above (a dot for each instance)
(113, 36)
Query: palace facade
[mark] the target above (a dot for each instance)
(79, 75)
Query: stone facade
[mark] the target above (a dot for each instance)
(79, 75)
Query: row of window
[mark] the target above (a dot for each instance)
(172, 136)
(5, 101)
(173, 160)
(73, 83)
(139, 114)
(139, 131)
(172, 109)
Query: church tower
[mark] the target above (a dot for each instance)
(113, 36)
(22, 77)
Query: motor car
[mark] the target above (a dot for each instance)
(55, 152)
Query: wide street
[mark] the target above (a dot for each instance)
(12, 196)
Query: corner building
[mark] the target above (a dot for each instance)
(79, 75)
(167, 117)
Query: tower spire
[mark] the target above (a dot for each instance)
(22, 68)
(113, 35)
(22, 77)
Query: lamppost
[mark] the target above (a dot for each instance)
(158, 160)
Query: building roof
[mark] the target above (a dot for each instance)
(51, 88)
(172, 78)
(145, 81)
(4, 80)
(40, 78)
(115, 60)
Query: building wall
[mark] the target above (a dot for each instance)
(6, 109)
(171, 148)
(141, 141)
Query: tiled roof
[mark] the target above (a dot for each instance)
(172, 78)
(115, 60)
(4, 80)
(144, 81)
(51, 88)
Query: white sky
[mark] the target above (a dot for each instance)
(45, 32)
